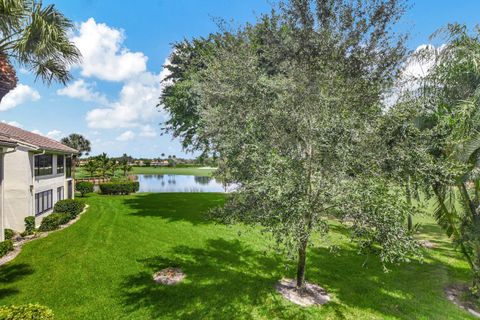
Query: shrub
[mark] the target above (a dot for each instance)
(84, 187)
(29, 225)
(26, 312)
(70, 206)
(54, 221)
(9, 233)
(5, 247)
(122, 187)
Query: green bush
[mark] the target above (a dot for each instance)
(5, 247)
(26, 312)
(70, 206)
(29, 225)
(54, 221)
(84, 187)
(121, 187)
(9, 233)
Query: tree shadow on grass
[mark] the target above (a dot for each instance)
(407, 291)
(190, 207)
(225, 280)
(9, 274)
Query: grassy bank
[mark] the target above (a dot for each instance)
(102, 266)
(194, 171)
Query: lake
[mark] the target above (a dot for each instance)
(178, 183)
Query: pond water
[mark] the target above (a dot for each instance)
(178, 183)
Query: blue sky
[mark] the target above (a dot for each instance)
(125, 43)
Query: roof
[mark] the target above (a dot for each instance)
(6, 141)
(40, 142)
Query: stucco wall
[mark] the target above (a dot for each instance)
(20, 187)
(16, 187)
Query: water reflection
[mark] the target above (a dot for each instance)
(178, 183)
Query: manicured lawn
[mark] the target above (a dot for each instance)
(102, 266)
(194, 171)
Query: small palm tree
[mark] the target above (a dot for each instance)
(114, 166)
(79, 143)
(35, 37)
(91, 166)
(103, 164)
(126, 168)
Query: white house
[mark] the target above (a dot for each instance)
(36, 172)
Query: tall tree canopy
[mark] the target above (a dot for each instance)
(35, 37)
(291, 104)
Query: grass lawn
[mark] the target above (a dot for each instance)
(193, 171)
(101, 268)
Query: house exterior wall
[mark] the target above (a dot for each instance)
(21, 185)
(17, 180)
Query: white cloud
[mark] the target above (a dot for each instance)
(417, 67)
(135, 106)
(126, 136)
(84, 91)
(148, 131)
(13, 123)
(21, 94)
(55, 134)
(103, 53)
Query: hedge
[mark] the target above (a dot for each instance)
(123, 187)
(54, 221)
(84, 187)
(26, 312)
(29, 225)
(5, 247)
(9, 233)
(70, 206)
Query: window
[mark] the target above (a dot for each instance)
(43, 164)
(68, 165)
(43, 202)
(60, 193)
(60, 165)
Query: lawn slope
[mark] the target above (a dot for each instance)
(101, 268)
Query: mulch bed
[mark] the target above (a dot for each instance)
(169, 276)
(313, 294)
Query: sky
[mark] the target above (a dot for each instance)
(113, 96)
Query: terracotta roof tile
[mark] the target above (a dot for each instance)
(39, 141)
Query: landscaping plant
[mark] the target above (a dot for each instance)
(35, 37)
(26, 312)
(84, 187)
(301, 91)
(5, 247)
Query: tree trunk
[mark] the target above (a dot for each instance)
(8, 78)
(301, 266)
(408, 194)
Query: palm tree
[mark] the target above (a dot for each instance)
(91, 166)
(126, 168)
(79, 143)
(35, 37)
(103, 164)
(113, 167)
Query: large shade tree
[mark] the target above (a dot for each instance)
(36, 37)
(290, 105)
